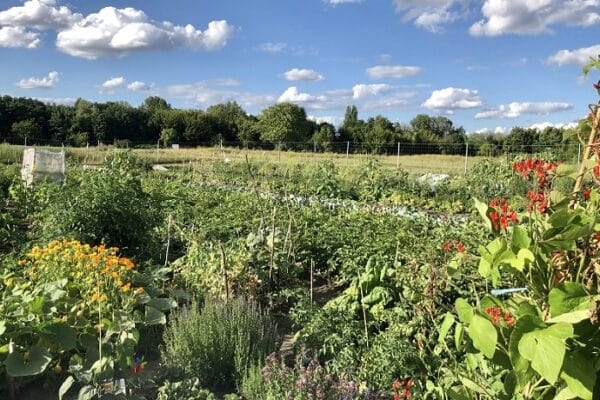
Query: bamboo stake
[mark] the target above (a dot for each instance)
(587, 151)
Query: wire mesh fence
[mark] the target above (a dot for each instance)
(451, 158)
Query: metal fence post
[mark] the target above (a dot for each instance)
(398, 158)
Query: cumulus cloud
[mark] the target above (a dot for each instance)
(47, 82)
(329, 119)
(17, 36)
(363, 90)
(61, 101)
(296, 74)
(498, 130)
(540, 126)
(138, 86)
(114, 83)
(109, 32)
(293, 95)
(431, 15)
(392, 71)
(39, 14)
(530, 17)
(118, 32)
(515, 110)
(450, 99)
(578, 56)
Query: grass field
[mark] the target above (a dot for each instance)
(423, 163)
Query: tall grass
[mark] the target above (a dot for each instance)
(218, 343)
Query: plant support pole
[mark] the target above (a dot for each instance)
(588, 149)
(398, 158)
(466, 157)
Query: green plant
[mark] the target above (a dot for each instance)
(188, 389)
(218, 342)
(107, 206)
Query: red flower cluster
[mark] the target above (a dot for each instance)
(502, 215)
(535, 169)
(402, 388)
(496, 314)
(448, 246)
(596, 169)
(537, 201)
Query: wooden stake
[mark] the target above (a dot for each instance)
(587, 152)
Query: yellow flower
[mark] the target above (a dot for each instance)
(126, 287)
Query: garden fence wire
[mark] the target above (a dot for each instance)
(413, 157)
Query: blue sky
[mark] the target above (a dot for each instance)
(486, 64)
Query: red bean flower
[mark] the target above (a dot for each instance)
(502, 215)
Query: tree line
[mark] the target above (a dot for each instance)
(280, 125)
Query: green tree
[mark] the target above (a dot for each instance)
(323, 136)
(227, 118)
(283, 122)
(167, 136)
(27, 128)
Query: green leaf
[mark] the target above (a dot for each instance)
(571, 301)
(16, 366)
(520, 238)
(521, 366)
(579, 374)
(458, 336)
(162, 304)
(483, 208)
(484, 335)
(64, 388)
(87, 392)
(565, 394)
(446, 325)
(153, 316)
(2, 327)
(60, 334)
(464, 310)
(546, 348)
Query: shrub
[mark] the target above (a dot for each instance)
(219, 342)
(105, 206)
(188, 389)
(277, 381)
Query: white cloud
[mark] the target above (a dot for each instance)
(389, 101)
(138, 86)
(211, 92)
(47, 82)
(114, 83)
(515, 110)
(111, 31)
(428, 14)
(578, 56)
(499, 130)
(61, 101)
(540, 126)
(329, 119)
(450, 99)
(362, 90)
(530, 17)
(292, 95)
(303, 75)
(118, 32)
(39, 14)
(392, 71)
(17, 36)
(285, 48)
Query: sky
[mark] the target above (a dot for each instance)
(488, 65)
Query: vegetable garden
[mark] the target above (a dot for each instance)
(128, 283)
